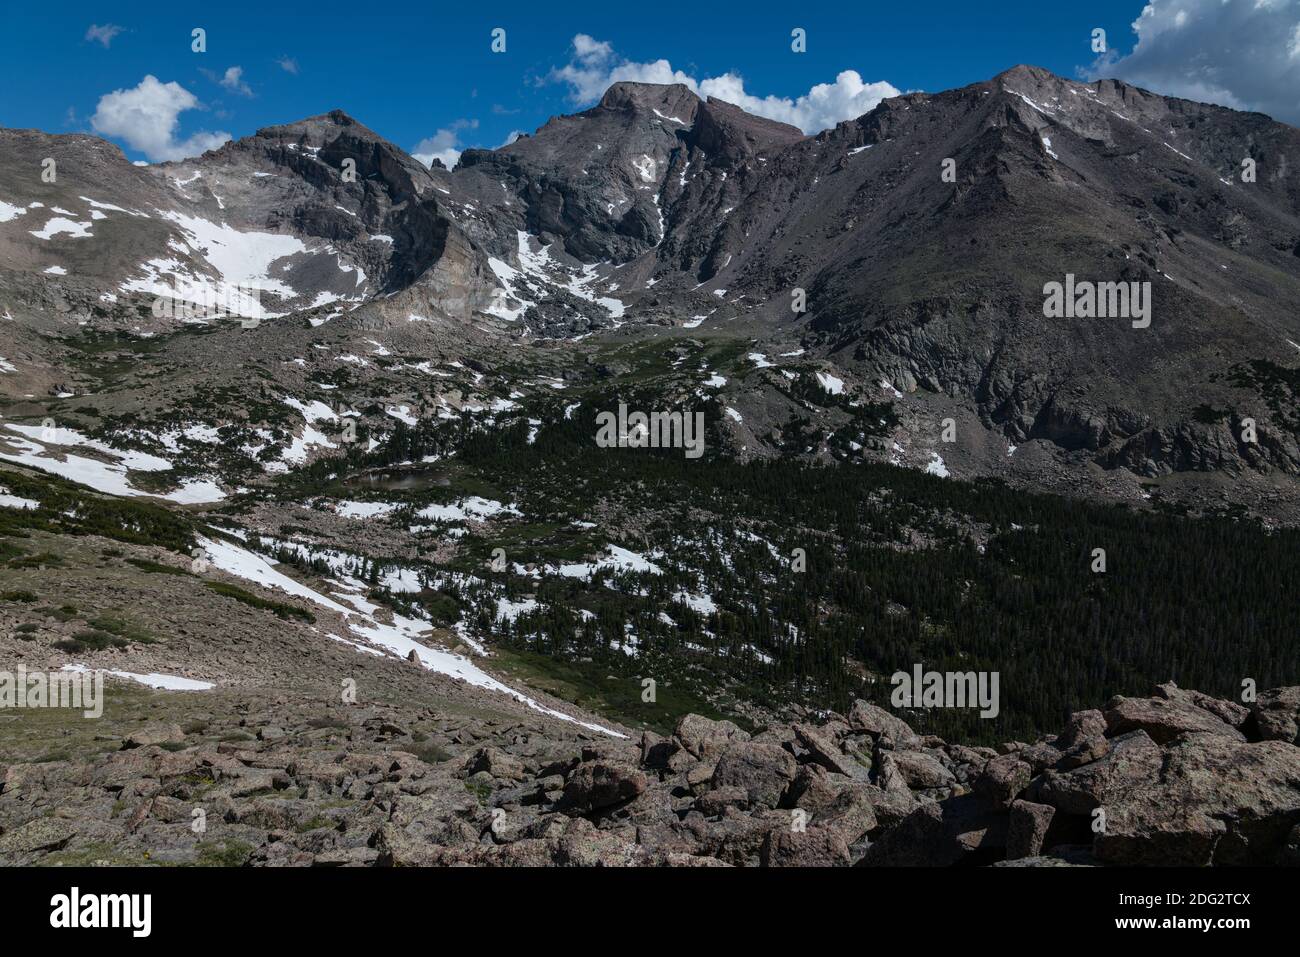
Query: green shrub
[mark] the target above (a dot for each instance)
(279, 608)
(90, 639)
(431, 753)
(157, 568)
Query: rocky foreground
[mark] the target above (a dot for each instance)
(1179, 778)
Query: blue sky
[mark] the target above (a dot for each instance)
(425, 76)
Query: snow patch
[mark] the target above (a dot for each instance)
(832, 384)
(59, 225)
(153, 680)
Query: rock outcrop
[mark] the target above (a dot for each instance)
(1179, 778)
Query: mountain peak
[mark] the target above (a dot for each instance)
(665, 100)
(622, 92)
(1027, 71)
(322, 123)
(339, 117)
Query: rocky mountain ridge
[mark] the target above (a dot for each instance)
(657, 210)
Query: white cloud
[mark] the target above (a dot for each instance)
(288, 64)
(443, 145)
(440, 146)
(145, 117)
(585, 48)
(820, 108)
(1243, 54)
(103, 34)
(233, 80)
(594, 66)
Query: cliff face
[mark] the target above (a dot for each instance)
(921, 238)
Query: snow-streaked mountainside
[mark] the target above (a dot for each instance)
(658, 210)
(303, 411)
(577, 505)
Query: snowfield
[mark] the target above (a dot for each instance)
(936, 466)
(46, 449)
(401, 637)
(472, 507)
(153, 680)
(832, 384)
(14, 501)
